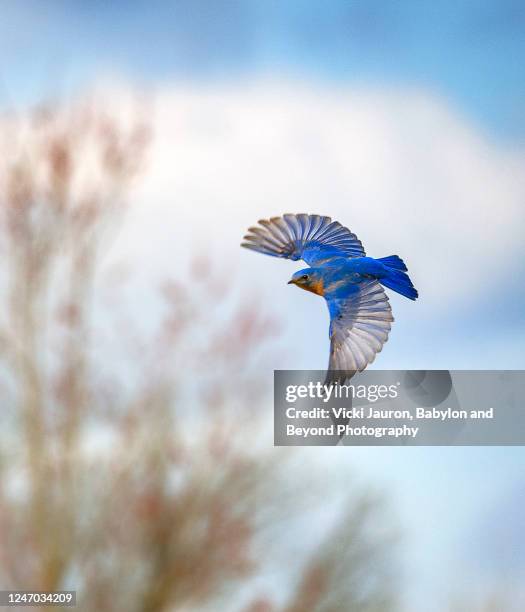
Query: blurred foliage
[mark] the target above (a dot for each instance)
(144, 491)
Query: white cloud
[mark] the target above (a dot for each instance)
(400, 168)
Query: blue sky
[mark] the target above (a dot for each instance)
(468, 51)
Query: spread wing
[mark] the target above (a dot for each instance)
(313, 238)
(359, 326)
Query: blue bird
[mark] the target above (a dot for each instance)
(350, 282)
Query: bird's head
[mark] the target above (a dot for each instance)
(309, 280)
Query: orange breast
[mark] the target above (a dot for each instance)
(316, 287)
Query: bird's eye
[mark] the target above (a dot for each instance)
(304, 277)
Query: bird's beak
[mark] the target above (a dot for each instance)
(291, 282)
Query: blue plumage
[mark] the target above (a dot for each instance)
(394, 262)
(350, 282)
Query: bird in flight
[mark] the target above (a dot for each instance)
(351, 283)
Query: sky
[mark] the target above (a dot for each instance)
(403, 120)
(468, 51)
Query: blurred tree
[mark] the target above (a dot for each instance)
(169, 514)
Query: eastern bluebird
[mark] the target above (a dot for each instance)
(350, 282)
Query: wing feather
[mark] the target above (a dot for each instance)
(313, 238)
(359, 327)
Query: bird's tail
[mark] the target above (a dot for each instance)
(393, 261)
(396, 277)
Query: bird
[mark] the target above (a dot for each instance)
(351, 283)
